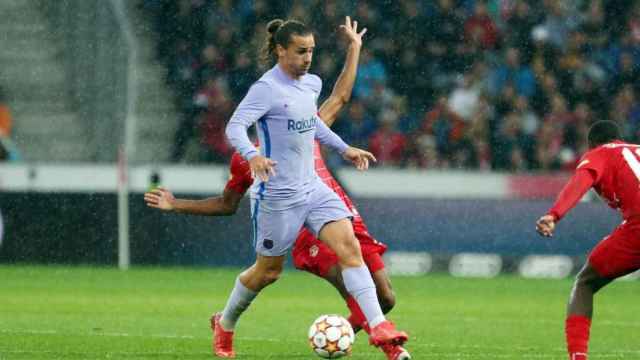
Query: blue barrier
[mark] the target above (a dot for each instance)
(82, 228)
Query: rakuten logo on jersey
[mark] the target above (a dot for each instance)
(302, 126)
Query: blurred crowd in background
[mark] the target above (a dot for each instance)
(442, 84)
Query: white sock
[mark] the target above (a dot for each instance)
(239, 300)
(360, 285)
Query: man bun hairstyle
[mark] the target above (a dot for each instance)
(279, 32)
(603, 132)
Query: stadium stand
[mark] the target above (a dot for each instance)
(506, 85)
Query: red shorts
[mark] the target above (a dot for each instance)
(312, 255)
(619, 253)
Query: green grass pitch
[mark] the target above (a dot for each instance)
(162, 313)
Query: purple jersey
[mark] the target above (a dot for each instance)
(285, 110)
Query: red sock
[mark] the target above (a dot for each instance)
(357, 318)
(576, 329)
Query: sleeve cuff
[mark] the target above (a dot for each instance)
(250, 155)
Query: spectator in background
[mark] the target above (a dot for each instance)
(207, 100)
(575, 68)
(634, 23)
(576, 133)
(221, 14)
(628, 112)
(358, 126)
(464, 99)
(627, 45)
(422, 151)
(446, 127)
(552, 135)
(370, 74)
(6, 121)
(514, 72)
(546, 89)
(242, 75)
(212, 64)
(509, 150)
(480, 28)
(445, 33)
(594, 26)
(519, 28)
(218, 107)
(627, 73)
(541, 55)
(529, 126)
(559, 22)
(477, 134)
(8, 150)
(182, 74)
(387, 143)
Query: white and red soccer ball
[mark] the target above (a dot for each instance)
(331, 336)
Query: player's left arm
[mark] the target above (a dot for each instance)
(572, 192)
(341, 92)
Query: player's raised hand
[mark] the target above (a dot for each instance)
(358, 157)
(262, 167)
(350, 29)
(160, 198)
(545, 225)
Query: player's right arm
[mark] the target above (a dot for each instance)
(341, 92)
(255, 104)
(588, 173)
(572, 192)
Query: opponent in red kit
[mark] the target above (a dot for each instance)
(612, 168)
(309, 253)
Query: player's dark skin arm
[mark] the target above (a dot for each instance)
(224, 205)
(341, 92)
(588, 281)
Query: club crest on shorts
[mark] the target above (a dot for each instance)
(268, 244)
(313, 251)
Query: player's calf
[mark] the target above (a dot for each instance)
(387, 300)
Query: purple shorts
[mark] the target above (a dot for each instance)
(276, 223)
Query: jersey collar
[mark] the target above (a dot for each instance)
(282, 75)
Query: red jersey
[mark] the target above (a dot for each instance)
(614, 171)
(326, 177)
(241, 179)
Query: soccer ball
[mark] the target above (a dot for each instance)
(331, 336)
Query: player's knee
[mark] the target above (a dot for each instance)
(352, 248)
(349, 254)
(589, 280)
(270, 276)
(351, 259)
